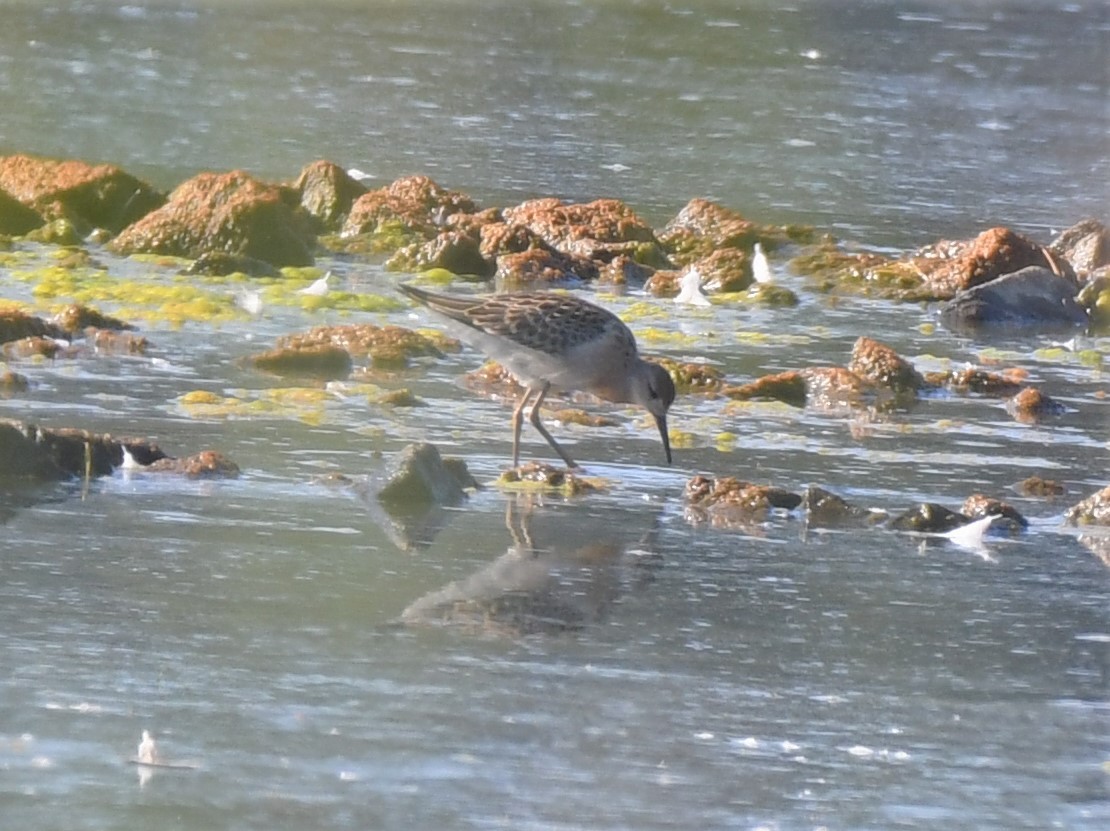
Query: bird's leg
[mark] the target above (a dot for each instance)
(517, 423)
(534, 417)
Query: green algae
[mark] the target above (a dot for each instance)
(303, 404)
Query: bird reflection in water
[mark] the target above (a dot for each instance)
(560, 574)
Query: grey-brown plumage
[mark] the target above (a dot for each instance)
(550, 340)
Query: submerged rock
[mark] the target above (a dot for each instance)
(825, 509)
(976, 381)
(1031, 405)
(728, 502)
(420, 477)
(222, 263)
(319, 360)
(208, 464)
(30, 451)
(386, 346)
(1094, 510)
(89, 196)
(929, 518)
(979, 505)
(1033, 298)
(230, 212)
(77, 318)
(16, 324)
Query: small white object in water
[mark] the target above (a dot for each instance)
(319, 288)
(148, 750)
(971, 535)
(359, 175)
(129, 462)
(691, 289)
(761, 266)
(248, 300)
(812, 54)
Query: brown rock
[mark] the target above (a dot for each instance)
(979, 505)
(598, 230)
(1044, 488)
(1086, 245)
(950, 267)
(1031, 405)
(975, 380)
(114, 342)
(231, 212)
(76, 318)
(1094, 510)
(32, 346)
(497, 238)
(543, 266)
(929, 518)
(730, 502)
(12, 382)
(788, 387)
(880, 365)
(16, 325)
(89, 196)
(327, 193)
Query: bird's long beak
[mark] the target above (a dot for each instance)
(661, 423)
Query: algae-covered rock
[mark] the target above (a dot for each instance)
(319, 360)
(1094, 510)
(541, 476)
(419, 476)
(386, 346)
(828, 268)
(455, 251)
(728, 502)
(1040, 487)
(1095, 298)
(788, 387)
(327, 193)
(230, 212)
(223, 263)
(89, 196)
(409, 208)
(691, 376)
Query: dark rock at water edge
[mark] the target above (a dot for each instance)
(1031, 299)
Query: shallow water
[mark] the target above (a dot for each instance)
(664, 675)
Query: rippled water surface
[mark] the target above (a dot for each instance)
(640, 671)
